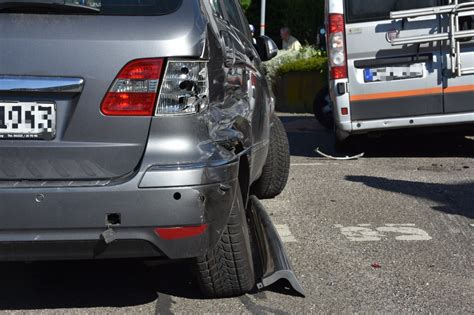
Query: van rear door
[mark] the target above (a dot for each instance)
(387, 81)
(459, 90)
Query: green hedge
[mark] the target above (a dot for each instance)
(318, 64)
(308, 59)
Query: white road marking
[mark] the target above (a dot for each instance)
(285, 233)
(308, 164)
(317, 164)
(408, 233)
(360, 233)
(365, 233)
(472, 225)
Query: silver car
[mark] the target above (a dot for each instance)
(136, 129)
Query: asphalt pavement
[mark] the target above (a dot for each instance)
(391, 232)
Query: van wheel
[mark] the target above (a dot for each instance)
(277, 167)
(323, 109)
(350, 145)
(227, 270)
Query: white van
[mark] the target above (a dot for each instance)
(398, 64)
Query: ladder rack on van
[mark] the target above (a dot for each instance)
(454, 36)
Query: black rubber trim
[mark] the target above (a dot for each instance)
(72, 250)
(386, 62)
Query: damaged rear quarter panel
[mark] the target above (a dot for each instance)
(237, 118)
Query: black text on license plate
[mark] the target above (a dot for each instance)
(27, 120)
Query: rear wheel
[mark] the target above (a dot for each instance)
(349, 145)
(227, 270)
(277, 167)
(322, 108)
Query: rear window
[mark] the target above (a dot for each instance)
(373, 10)
(131, 7)
(105, 7)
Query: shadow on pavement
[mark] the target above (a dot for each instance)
(305, 135)
(98, 284)
(89, 284)
(452, 198)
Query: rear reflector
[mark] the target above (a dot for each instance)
(177, 233)
(135, 89)
(344, 111)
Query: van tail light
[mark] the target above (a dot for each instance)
(337, 47)
(135, 89)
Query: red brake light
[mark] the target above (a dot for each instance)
(142, 69)
(135, 89)
(338, 73)
(336, 23)
(177, 233)
(337, 46)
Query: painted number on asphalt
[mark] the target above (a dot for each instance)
(367, 233)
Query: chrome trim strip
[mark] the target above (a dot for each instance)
(9, 83)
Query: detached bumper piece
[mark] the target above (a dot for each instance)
(273, 263)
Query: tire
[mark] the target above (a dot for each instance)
(228, 270)
(343, 146)
(349, 146)
(276, 170)
(322, 108)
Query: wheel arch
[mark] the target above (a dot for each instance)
(244, 175)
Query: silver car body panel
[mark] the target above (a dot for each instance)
(151, 171)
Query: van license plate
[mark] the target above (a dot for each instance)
(27, 120)
(393, 73)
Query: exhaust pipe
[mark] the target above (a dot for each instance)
(272, 262)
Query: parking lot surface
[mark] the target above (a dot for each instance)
(392, 232)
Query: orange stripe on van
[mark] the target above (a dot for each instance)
(379, 96)
(421, 92)
(459, 89)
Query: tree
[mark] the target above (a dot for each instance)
(245, 4)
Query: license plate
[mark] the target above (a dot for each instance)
(393, 73)
(27, 120)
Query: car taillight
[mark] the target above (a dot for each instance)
(135, 89)
(336, 47)
(185, 88)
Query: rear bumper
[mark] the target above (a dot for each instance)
(67, 222)
(360, 127)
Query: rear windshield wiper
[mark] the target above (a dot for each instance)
(40, 6)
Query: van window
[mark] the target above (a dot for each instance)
(373, 10)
